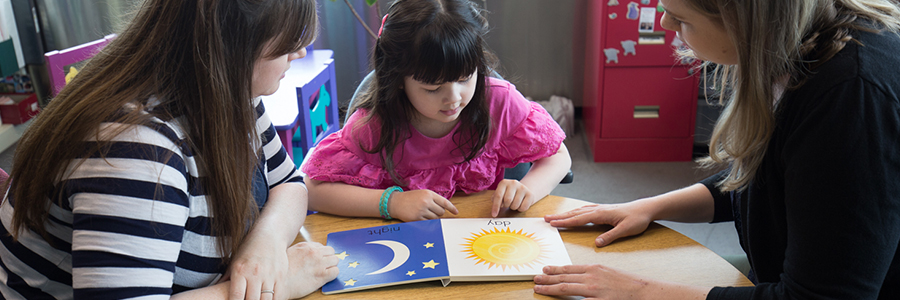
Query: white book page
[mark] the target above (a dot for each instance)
(501, 249)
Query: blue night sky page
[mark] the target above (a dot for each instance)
(377, 256)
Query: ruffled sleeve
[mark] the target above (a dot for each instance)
(533, 137)
(339, 158)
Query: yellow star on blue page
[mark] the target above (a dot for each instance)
(343, 255)
(353, 264)
(430, 264)
(429, 245)
(411, 273)
(350, 282)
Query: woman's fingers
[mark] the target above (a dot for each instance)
(569, 269)
(608, 237)
(254, 290)
(562, 280)
(279, 292)
(563, 289)
(264, 292)
(571, 213)
(238, 288)
(577, 217)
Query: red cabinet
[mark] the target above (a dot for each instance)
(640, 101)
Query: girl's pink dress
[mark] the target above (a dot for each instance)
(523, 132)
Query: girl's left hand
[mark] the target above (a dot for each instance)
(513, 194)
(260, 264)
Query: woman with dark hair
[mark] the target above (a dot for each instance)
(156, 172)
(433, 123)
(809, 143)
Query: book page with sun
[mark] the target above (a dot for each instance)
(504, 248)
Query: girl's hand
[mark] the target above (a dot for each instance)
(311, 265)
(628, 219)
(591, 281)
(259, 265)
(513, 194)
(419, 205)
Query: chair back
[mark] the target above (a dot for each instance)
(63, 64)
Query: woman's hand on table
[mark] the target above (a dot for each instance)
(417, 205)
(591, 281)
(311, 265)
(601, 282)
(258, 266)
(627, 219)
(512, 194)
(308, 266)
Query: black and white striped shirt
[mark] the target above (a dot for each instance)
(111, 240)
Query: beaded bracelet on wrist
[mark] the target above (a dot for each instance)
(385, 197)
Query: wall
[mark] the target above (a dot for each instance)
(540, 43)
(340, 31)
(67, 23)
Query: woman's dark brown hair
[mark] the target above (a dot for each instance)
(196, 58)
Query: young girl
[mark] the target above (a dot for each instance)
(115, 184)
(433, 123)
(811, 134)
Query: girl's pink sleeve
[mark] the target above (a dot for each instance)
(339, 158)
(536, 137)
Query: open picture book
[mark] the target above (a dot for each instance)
(473, 249)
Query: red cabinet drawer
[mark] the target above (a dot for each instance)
(647, 102)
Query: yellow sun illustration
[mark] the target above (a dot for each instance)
(505, 248)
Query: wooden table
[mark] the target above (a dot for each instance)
(659, 253)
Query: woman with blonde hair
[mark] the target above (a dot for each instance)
(157, 173)
(809, 136)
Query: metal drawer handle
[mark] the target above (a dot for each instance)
(646, 111)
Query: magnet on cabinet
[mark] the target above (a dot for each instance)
(612, 54)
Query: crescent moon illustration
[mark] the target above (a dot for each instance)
(401, 254)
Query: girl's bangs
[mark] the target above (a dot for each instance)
(450, 54)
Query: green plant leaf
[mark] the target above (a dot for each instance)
(369, 2)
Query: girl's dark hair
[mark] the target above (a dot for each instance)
(196, 58)
(434, 41)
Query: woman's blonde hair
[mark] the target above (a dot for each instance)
(779, 42)
(197, 59)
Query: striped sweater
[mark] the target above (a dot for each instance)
(111, 240)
